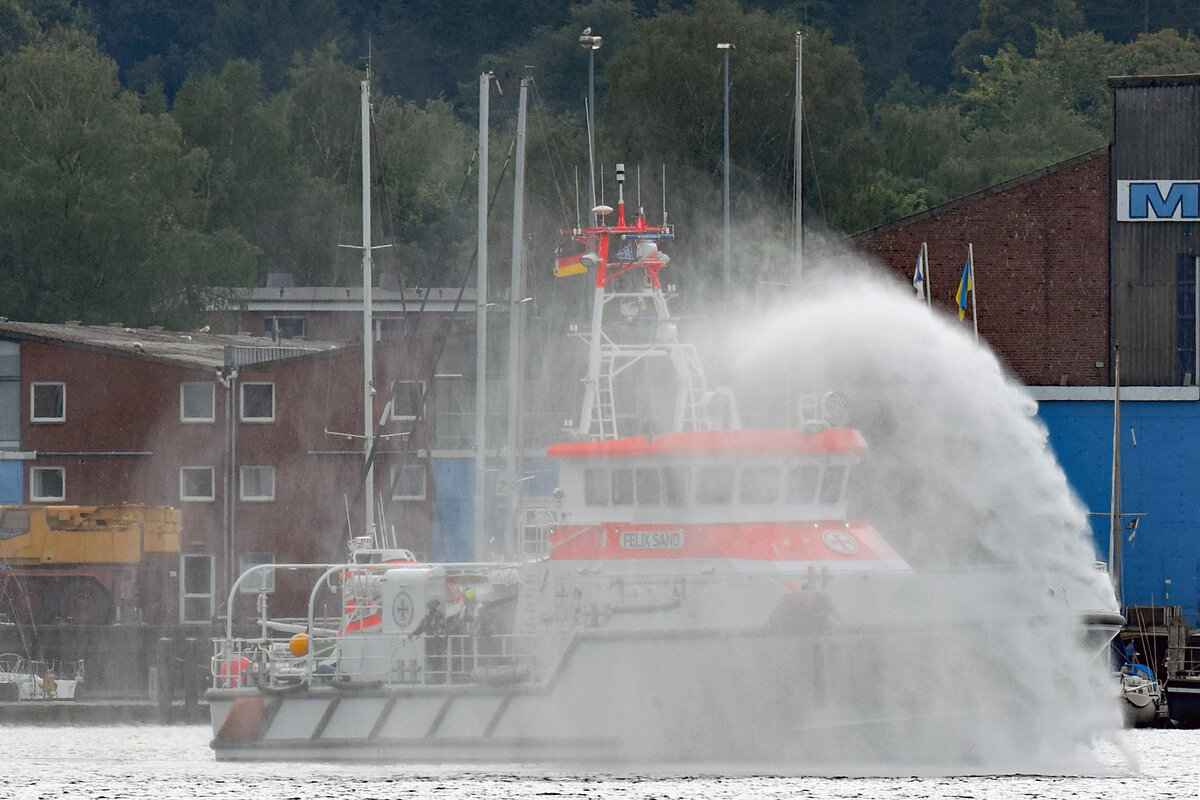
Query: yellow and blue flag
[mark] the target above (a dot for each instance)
(965, 284)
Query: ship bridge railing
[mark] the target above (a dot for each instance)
(468, 658)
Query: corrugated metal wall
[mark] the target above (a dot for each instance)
(1156, 136)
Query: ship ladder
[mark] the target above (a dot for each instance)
(689, 410)
(604, 411)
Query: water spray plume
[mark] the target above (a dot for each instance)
(960, 480)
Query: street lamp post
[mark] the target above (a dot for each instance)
(726, 46)
(591, 43)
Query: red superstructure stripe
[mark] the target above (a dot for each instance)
(758, 441)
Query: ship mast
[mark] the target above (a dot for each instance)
(367, 337)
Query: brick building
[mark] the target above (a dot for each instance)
(1094, 252)
(258, 444)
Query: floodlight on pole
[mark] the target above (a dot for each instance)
(591, 43)
(727, 272)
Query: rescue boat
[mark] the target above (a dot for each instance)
(698, 592)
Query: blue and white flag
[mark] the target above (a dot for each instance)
(919, 275)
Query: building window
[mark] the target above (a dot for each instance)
(410, 401)
(258, 402)
(10, 395)
(196, 588)
(196, 483)
(261, 581)
(47, 484)
(408, 482)
(48, 402)
(197, 402)
(258, 483)
(284, 327)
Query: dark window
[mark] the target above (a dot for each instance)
(674, 484)
(258, 401)
(49, 402)
(831, 484)
(595, 487)
(714, 485)
(759, 485)
(622, 487)
(649, 490)
(802, 484)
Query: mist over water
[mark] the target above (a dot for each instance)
(959, 479)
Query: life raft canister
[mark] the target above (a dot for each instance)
(233, 672)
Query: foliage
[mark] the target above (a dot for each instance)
(102, 213)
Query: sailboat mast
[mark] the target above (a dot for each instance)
(367, 337)
(516, 316)
(481, 303)
(799, 191)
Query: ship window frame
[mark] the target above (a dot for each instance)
(622, 486)
(647, 487)
(791, 486)
(720, 491)
(675, 486)
(833, 482)
(597, 488)
(762, 492)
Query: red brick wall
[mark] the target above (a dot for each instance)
(1041, 267)
(123, 441)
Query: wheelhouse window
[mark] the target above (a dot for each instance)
(759, 485)
(48, 402)
(197, 401)
(649, 489)
(196, 483)
(261, 581)
(47, 484)
(801, 486)
(831, 484)
(674, 486)
(408, 482)
(258, 483)
(714, 485)
(622, 487)
(596, 487)
(258, 402)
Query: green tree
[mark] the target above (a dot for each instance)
(102, 214)
(1014, 23)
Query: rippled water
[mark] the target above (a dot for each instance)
(175, 762)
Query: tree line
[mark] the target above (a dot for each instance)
(156, 151)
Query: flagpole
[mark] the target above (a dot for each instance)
(928, 284)
(974, 288)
